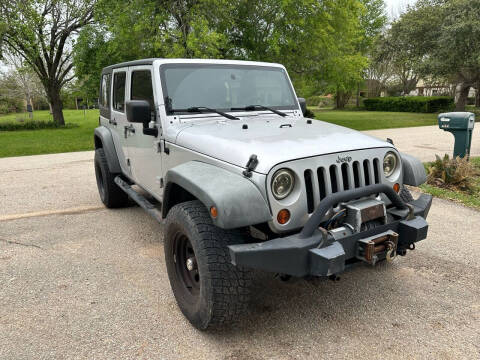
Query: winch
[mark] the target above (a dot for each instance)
(361, 215)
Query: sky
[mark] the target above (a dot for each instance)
(396, 7)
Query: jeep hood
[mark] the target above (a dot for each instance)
(273, 139)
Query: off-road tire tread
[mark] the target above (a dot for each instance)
(230, 285)
(405, 195)
(114, 196)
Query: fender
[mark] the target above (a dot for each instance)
(104, 139)
(413, 170)
(238, 201)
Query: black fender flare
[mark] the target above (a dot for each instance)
(238, 201)
(104, 139)
(413, 170)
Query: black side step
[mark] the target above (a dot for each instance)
(139, 199)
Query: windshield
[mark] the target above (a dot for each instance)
(224, 87)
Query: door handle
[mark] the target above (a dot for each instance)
(112, 122)
(128, 129)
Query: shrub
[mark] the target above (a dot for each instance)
(32, 125)
(421, 104)
(309, 114)
(454, 174)
(320, 101)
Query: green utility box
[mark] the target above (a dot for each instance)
(460, 124)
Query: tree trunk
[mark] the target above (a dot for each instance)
(30, 101)
(56, 107)
(357, 102)
(341, 99)
(477, 95)
(462, 95)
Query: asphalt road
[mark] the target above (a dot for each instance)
(80, 281)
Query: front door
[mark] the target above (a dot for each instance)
(144, 150)
(118, 118)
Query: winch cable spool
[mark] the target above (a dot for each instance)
(333, 219)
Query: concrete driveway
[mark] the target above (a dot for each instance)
(426, 141)
(80, 281)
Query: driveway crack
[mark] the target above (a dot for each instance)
(11, 242)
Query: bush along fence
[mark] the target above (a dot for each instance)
(33, 125)
(419, 104)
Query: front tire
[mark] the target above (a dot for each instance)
(110, 194)
(209, 290)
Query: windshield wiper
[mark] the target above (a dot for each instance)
(203, 109)
(259, 107)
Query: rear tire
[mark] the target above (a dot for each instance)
(209, 290)
(110, 194)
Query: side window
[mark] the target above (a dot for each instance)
(119, 91)
(141, 88)
(104, 90)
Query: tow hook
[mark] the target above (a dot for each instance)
(391, 250)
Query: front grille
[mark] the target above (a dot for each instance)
(323, 181)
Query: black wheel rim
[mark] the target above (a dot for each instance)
(100, 182)
(184, 257)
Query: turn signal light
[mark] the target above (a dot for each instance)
(396, 187)
(283, 216)
(213, 212)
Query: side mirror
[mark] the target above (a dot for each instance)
(303, 105)
(139, 111)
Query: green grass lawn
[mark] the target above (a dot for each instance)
(470, 199)
(47, 141)
(371, 120)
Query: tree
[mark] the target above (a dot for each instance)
(22, 81)
(41, 32)
(442, 39)
(317, 40)
(379, 71)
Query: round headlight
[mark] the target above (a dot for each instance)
(282, 183)
(389, 164)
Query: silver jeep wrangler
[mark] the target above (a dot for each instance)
(222, 151)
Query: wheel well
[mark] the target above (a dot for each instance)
(98, 142)
(174, 194)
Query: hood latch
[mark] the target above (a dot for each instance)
(251, 165)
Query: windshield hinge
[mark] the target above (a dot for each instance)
(251, 165)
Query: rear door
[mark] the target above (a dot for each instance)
(118, 118)
(144, 150)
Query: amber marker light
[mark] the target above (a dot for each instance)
(283, 216)
(213, 212)
(396, 187)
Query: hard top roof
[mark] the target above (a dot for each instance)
(150, 61)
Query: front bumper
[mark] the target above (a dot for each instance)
(315, 252)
